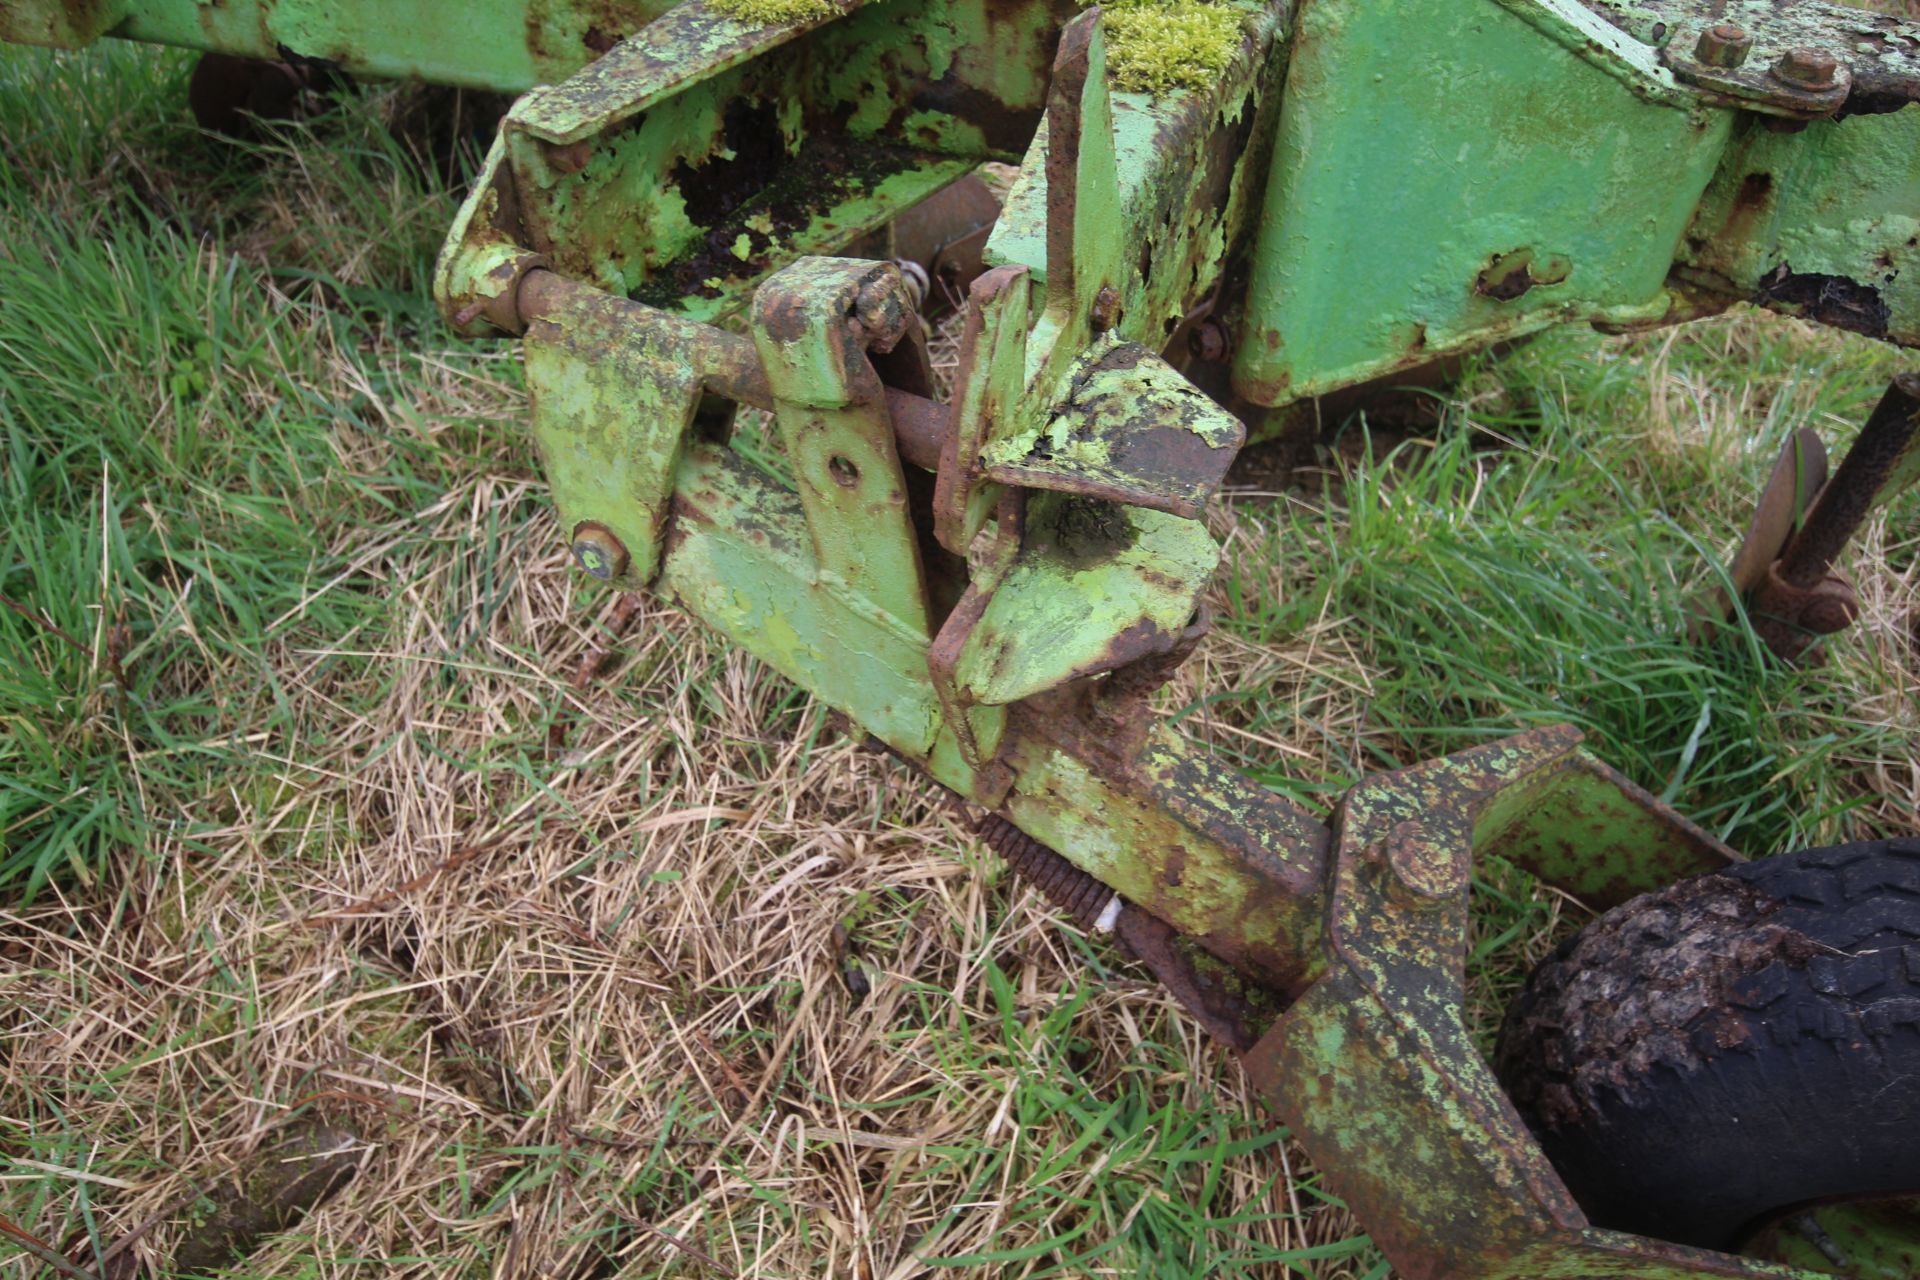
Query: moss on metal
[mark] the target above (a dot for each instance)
(767, 12)
(1157, 45)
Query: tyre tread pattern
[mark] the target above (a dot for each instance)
(1669, 1054)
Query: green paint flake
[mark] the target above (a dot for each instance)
(1154, 46)
(765, 13)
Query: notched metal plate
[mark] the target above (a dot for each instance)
(1132, 430)
(1095, 586)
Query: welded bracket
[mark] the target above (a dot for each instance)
(813, 323)
(1372, 1067)
(612, 400)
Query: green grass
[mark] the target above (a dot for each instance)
(1534, 566)
(181, 480)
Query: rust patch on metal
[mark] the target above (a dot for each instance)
(1232, 1009)
(1510, 275)
(567, 36)
(1070, 71)
(1834, 300)
(1751, 203)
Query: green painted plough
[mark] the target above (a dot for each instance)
(704, 213)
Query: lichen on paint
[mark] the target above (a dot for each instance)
(765, 13)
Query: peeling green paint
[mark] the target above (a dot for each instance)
(1839, 199)
(1129, 429)
(612, 402)
(1096, 585)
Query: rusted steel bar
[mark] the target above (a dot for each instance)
(920, 427)
(730, 367)
(1233, 1011)
(1801, 597)
(1887, 453)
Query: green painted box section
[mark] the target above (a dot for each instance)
(1839, 199)
(505, 45)
(1401, 182)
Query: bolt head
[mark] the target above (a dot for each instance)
(1834, 609)
(1824, 617)
(1724, 45)
(1106, 308)
(1422, 866)
(598, 552)
(1807, 68)
(884, 307)
(1210, 341)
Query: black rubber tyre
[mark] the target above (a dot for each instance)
(1700, 1058)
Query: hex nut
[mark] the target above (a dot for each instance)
(598, 552)
(1724, 45)
(1807, 68)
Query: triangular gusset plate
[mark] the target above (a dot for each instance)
(1132, 430)
(1094, 587)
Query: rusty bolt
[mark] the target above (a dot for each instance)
(1829, 614)
(597, 551)
(1422, 868)
(1831, 606)
(1210, 340)
(1724, 45)
(1106, 308)
(571, 158)
(1807, 68)
(884, 308)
